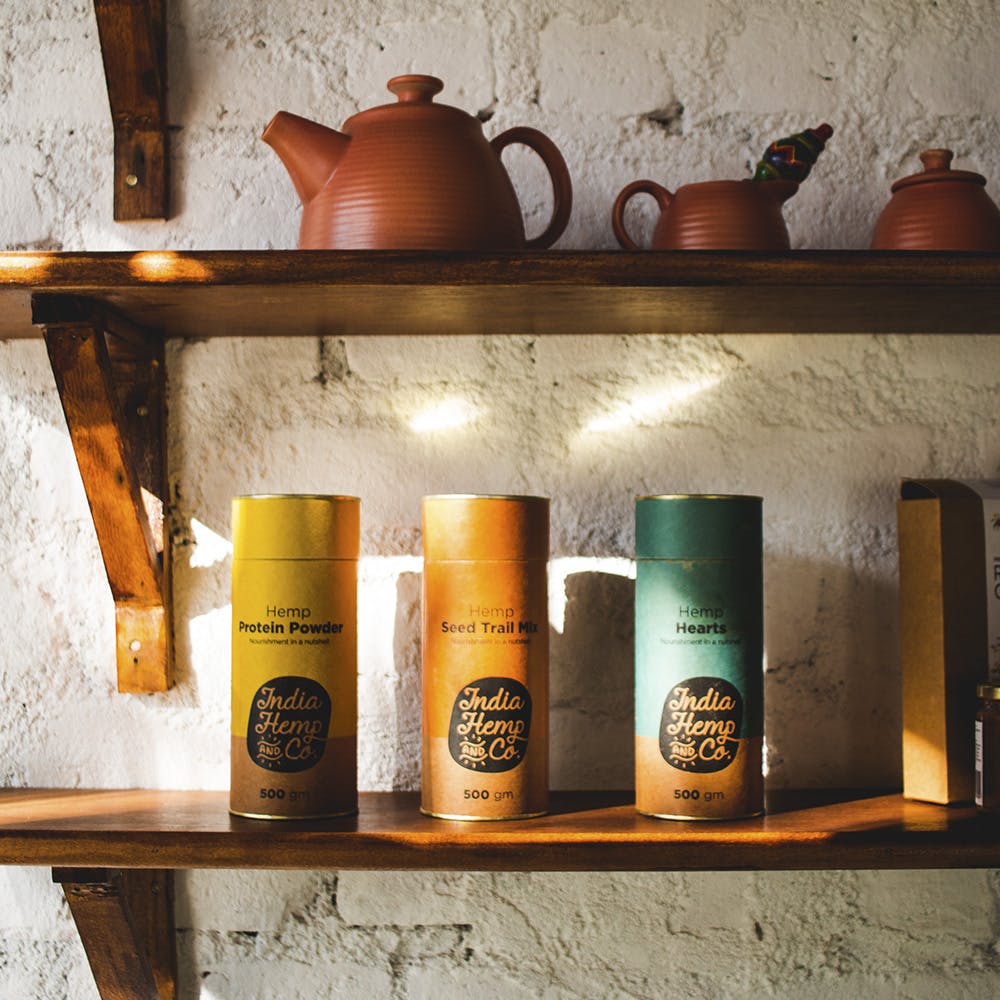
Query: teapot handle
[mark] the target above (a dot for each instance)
(562, 189)
(658, 191)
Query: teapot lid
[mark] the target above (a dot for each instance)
(414, 92)
(937, 167)
(415, 88)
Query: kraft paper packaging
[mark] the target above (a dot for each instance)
(485, 657)
(949, 627)
(699, 640)
(294, 684)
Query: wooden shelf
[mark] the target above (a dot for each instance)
(104, 317)
(590, 831)
(332, 293)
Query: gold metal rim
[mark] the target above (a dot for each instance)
(699, 819)
(988, 691)
(298, 496)
(333, 815)
(699, 496)
(486, 496)
(481, 819)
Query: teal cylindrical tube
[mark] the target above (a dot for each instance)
(699, 656)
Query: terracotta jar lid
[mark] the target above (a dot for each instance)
(937, 167)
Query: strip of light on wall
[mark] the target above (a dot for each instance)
(648, 407)
(445, 415)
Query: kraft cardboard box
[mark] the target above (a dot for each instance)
(949, 590)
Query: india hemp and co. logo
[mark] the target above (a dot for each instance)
(490, 724)
(700, 725)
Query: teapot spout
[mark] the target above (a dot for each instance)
(310, 152)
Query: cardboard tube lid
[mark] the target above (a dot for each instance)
(466, 527)
(699, 526)
(296, 526)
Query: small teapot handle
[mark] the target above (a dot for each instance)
(658, 191)
(562, 189)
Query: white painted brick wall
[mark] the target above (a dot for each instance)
(823, 427)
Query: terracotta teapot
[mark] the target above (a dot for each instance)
(938, 209)
(413, 175)
(712, 215)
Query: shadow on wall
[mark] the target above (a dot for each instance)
(591, 689)
(832, 691)
(406, 683)
(832, 688)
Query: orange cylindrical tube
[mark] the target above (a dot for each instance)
(485, 657)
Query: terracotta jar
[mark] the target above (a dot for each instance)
(413, 175)
(939, 209)
(712, 215)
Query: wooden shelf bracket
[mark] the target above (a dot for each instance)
(125, 919)
(111, 381)
(133, 47)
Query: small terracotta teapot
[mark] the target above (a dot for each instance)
(939, 209)
(413, 175)
(712, 215)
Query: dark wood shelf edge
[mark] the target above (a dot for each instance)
(601, 268)
(586, 832)
(344, 293)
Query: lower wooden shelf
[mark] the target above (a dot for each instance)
(586, 831)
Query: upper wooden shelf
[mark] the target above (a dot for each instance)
(590, 831)
(336, 293)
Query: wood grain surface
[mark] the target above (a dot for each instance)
(591, 831)
(119, 475)
(125, 920)
(133, 48)
(340, 293)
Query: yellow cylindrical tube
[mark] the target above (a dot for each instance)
(294, 659)
(485, 657)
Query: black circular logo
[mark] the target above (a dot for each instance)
(700, 725)
(490, 722)
(288, 726)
